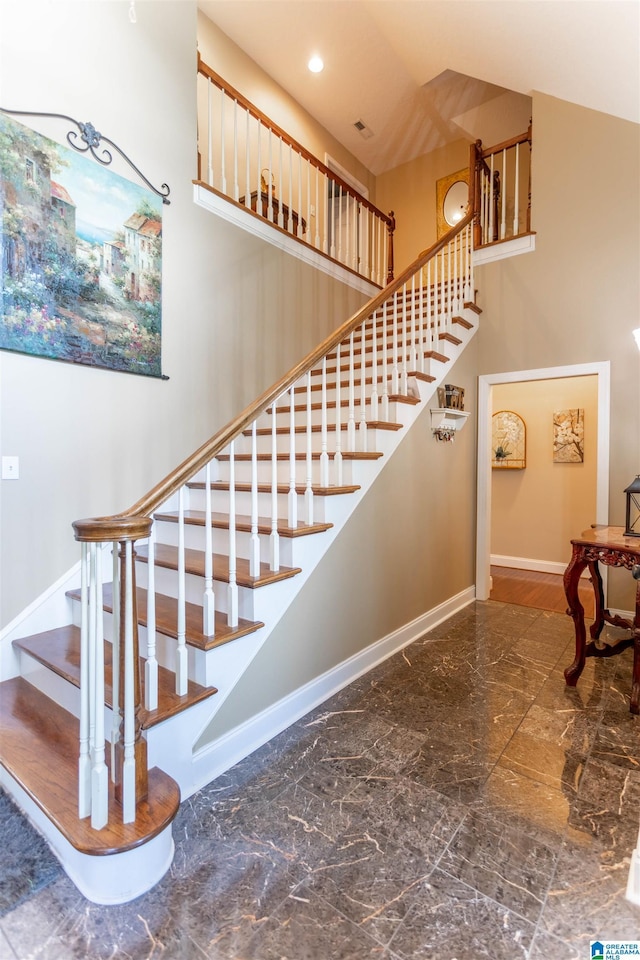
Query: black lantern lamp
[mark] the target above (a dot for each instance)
(632, 524)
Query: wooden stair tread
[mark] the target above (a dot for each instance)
(346, 455)
(59, 650)
(39, 748)
(167, 619)
(317, 405)
(331, 427)
(221, 521)
(167, 556)
(462, 322)
(301, 488)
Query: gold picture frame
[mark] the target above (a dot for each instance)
(443, 186)
(508, 441)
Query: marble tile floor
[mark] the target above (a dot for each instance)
(457, 802)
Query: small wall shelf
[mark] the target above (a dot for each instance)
(446, 422)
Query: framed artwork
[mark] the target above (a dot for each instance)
(508, 441)
(80, 257)
(568, 436)
(452, 197)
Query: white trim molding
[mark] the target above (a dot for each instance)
(485, 384)
(502, 249)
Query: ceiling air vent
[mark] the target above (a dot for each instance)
(363, 129)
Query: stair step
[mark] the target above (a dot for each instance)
(317, 405)
(167, 618)
(221, 522)
(59, 650)
(281, 488)
(167, 556)
(346, 455)
(39, 748)
(331, 427)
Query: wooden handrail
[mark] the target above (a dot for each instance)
(507, 144)
(118, 527)
(215, 78)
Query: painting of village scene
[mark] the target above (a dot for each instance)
(80, 257)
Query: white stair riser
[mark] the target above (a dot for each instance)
(243, 471)
(300, 416)
(263, 444)
(195, 538)
(220, 504)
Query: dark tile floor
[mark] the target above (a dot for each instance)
(458, 802)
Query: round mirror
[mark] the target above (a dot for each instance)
(455, 202)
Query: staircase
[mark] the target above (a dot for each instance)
(146, 655)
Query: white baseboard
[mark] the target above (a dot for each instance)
(221, 754)
(525, 563)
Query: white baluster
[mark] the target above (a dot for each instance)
(232, 590)
(129, 761)
(340, 223)
(181, 651)
(210, 135)
(421, 321)
(308, 492)
(429, 337)
(84, 758)
(374, 370)
(317, 241)
(247, 176)
(516, 194)
(325, 213)
(308, 237)
(331, 213)
(347, 233)
(351, 425)
(270, 180)
(468, 297)
(290, 221)
(151, 663)
(385, 372)
(208, 600)
(223, 159)
(404, 383)
(443, 307)
(337, 457)
(395, 373)
(281, 222)
(254, 553)
(236, 185)
(93, 602)
(259, 171)
(503, 197)
(413, 363)
(99, 773)
(300, 195)
(362, 429)
(381, 257)
(324, 456)
(116, 713)
(292, 499)
(274, 539)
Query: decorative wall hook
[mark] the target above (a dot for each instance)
(92, 140)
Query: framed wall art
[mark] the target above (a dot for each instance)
(568, 436)
(81, 263)
(508, 441)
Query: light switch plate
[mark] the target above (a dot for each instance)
(10, 468)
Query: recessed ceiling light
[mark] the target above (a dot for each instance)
(315, 64)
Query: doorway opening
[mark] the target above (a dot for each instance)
(486, 386)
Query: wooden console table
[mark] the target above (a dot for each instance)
(276, 205)
(608, 545)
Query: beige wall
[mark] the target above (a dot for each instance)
(576, 299)
(410, 191)
(237, 313)
(536, 511)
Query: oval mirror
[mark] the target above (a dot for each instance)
(455, 202)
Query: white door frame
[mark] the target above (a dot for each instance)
(485, 409)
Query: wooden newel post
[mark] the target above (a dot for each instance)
(391, 226)
(476, 167)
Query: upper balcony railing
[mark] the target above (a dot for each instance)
(249, 159)
(503, 188)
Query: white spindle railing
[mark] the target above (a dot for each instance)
(303, 196)
(505, 183)
(405, 325)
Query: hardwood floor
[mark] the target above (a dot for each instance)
(530, 589)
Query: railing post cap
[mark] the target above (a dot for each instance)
(106, 529)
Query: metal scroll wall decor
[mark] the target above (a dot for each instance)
(81, 254)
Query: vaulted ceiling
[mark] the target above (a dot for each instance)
(415, 72)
